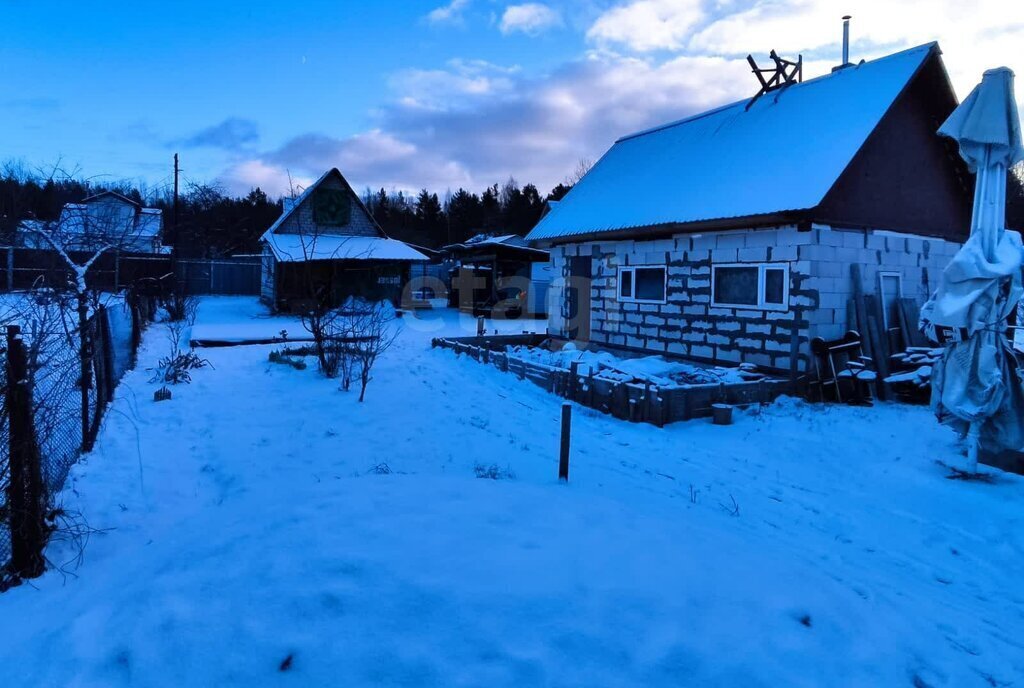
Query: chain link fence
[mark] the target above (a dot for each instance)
(60, 431)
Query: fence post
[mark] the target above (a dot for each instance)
(25, 490)
(84, 361)
(107, 351)
(10, 268)
(563, 457)
(136, 312)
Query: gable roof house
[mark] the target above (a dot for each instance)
(327, 246)
(106, 217)
(729, 236)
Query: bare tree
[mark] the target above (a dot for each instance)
(583, 166)
(83, 234)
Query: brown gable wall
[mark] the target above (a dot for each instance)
(906, 177)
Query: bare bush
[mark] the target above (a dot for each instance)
(493, 472)
(373, 333)
(175, 367)
(182, 307)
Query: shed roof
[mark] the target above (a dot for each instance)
(510, 246)
(292, 248)
(782, 154)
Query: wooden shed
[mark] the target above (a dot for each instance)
(327, 247)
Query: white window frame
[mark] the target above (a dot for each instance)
(882, 274)
(761, 269)
(632, 270)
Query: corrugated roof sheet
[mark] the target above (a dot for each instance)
(290, 248)
(782, 154)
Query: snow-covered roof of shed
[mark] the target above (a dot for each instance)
(290, 248)
(485, 239)
(782, 154)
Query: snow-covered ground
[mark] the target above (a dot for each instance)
(656, 369)
(243, 318)
(264, 519)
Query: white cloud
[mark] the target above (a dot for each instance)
(646, 25)
(472, 123)
(974, 36)
(535, 129)
(531, 18)
(240, 178)
(463, 81)
(448, 14)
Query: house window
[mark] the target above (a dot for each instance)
(750, 285)
(642, 284)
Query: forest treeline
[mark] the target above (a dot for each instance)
(212, 223)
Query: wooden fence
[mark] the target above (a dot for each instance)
(24, 268)
(630, 401)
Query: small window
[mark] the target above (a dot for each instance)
(642, 284)
(750, 285)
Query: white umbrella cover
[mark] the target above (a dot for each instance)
(976, 388)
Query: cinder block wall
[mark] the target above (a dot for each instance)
(688, 325)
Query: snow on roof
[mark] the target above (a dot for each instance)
(784, 153)
(130, 220)
(114, 194)
(291, 248)
(485, 239)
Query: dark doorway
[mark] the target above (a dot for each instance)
(577, 298)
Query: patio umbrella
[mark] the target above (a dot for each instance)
(976, 387)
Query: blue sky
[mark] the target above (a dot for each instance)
(405, 94)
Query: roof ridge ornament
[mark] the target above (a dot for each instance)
(784, 73)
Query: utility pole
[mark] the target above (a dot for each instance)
(175, 210)
(174, 220)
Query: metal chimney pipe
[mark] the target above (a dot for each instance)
(846, 40)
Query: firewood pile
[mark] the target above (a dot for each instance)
(911, 378)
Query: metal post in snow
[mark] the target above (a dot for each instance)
(25, 496)
(563, 458)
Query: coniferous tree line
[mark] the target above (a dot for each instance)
(212, 223)
(433, 221)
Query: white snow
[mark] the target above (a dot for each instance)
(243, 319)
(302, 247)
(655, 369)
(262, 513)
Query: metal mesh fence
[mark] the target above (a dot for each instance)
(5, 475)
(57, 393)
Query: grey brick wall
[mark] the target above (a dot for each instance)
(688, 325)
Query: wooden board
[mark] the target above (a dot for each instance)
(911, 314)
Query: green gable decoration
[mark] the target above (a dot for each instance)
(331, 207)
